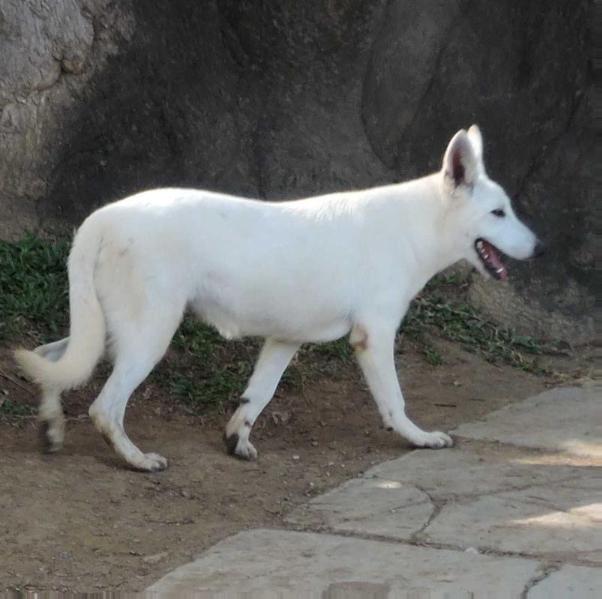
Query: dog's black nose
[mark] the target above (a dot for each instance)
(539, 249)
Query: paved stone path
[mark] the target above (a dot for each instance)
(514, 510)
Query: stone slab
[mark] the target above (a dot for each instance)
(368, 506)
(271, 563)
(552, 523)
(570, 582)
(468, 470)
(567, 419)
(486, 498)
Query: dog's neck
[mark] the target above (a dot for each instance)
(418, 210)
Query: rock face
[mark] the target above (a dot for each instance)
(50, 54)
(280, 100)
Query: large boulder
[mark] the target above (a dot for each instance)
(285, 99)
(50, 52)
(520, 69)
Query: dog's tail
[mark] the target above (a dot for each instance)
(87, 328)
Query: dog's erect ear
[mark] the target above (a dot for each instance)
(476, 139)
(460, 163)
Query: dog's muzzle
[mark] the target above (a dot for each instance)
(491, 258)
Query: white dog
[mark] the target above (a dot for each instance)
(311, 270)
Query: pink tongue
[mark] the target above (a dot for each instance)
(495, 260)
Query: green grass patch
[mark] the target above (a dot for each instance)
(464, 324)
(204, 369)
(431, 354)
(33, 288)
(14, 409)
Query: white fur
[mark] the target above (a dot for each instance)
(311, 270)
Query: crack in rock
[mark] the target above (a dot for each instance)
(543, 571)
(437, 505)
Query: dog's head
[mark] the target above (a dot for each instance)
(481, 211)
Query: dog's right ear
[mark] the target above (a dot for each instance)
(476, 138)
(460, 163)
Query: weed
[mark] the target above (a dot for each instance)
(339, 350)
(463, 323)
(431, 355)
(33, 287)
(14, 409)
(210, 370)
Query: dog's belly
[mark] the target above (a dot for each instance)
(240, 316)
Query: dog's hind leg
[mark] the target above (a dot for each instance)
(375, 353)
(137, 350)
(272, 362)
(52, 420)
(108, 410)
(50, 412)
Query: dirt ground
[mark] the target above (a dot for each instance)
(79, 521)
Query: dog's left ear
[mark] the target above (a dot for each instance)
(461, 163)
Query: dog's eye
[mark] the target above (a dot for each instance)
(499, 213)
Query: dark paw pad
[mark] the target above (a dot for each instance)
(46, 442)
(231, 443)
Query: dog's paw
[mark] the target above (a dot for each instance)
(151, 462)
(246, 451)
(434, 440)
(239, 448)
(52, 434)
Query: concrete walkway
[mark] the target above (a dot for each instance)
(515, 510)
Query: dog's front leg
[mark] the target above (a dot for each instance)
(374, 348)
(272, 361)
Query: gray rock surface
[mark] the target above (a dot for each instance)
(567, 419)
(99, 99)
(491, 498)
(270, 563)
(50, 53)
(483, 519)
(551, 521)
(575, 582)
(369, 506)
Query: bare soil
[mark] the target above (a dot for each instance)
(79, 521)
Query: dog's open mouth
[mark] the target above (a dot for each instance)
(491, 258)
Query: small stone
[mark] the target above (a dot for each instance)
(157, 557)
